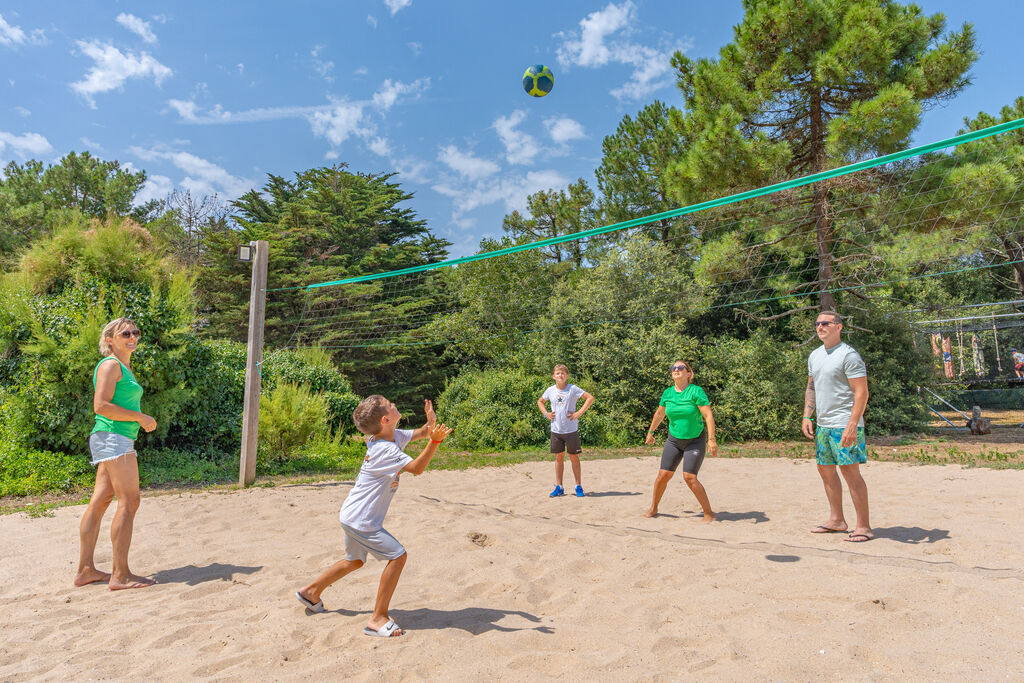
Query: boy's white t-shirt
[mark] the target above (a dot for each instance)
(376, 483)
(563, 402)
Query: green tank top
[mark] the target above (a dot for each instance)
(127, 395)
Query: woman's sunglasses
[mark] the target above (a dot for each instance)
(127, 334)
(678, 367)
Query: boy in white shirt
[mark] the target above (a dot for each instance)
(362, 513)
(565, 436)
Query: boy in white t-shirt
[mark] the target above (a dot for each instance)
(362, 513)
(565, 418)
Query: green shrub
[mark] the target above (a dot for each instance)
(289, 415)
(497, 409)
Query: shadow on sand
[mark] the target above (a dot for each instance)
(192, 575)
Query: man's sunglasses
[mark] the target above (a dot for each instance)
(678, 367)
(824, 323)
(127, 334)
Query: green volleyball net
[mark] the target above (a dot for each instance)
(880, 228)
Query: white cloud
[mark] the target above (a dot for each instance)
(468, 166)
(185, 109)
(343, 120)
(395, 5)
(417, 48)
(112, 68)
(412, 169)
(332, 154)
(92, 145)
(323, 67)
(520, 147)
(136, 26)
(371, 20)
(156, 187)
(511, 191)
(564, 130)
(29, 144)
(600, 41)
(12, 36)
(379, 146)
(201, 176)
(588, 47)
(389, 91)
(21, 111)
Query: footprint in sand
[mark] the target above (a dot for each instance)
(477, 538)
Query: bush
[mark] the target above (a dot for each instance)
(497, 409)
(289, 415)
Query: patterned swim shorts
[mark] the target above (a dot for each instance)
(829, 452)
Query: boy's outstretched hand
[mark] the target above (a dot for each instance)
(440, 432)
(428, 408)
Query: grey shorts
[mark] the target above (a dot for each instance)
(569, 443)
(380, 544)
(108, 446)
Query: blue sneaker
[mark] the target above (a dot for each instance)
(579, 491)
(559, 491)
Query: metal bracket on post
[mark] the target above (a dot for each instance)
(254, 359)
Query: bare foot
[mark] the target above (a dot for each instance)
(829, 527)
(709, 516)
(653, 512)
(91, 575)
(130, 581)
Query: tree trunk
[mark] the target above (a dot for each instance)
(822, 223)
(1015, 252)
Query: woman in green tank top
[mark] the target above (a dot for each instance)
(117, 402)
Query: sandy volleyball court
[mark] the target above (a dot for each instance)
(505, 583)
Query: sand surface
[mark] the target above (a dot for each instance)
(505, 583)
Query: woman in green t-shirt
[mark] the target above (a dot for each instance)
(117, 402)
(691, 431)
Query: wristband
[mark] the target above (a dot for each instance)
(650, 431)
(809, 418)
(432, 441)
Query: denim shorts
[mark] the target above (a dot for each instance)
(108, 445)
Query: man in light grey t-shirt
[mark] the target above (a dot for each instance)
(837, 390)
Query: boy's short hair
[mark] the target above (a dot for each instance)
(368, 413)
(560, 367)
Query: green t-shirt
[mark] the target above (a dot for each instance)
(684, 418)
(127, 395)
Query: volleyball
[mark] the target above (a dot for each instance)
(538, 80)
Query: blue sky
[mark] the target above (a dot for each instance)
(213, 96)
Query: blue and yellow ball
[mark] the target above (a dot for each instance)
(538, 80)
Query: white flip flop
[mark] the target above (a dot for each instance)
(385, 631)
(317, 608)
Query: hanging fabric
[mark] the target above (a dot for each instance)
(947, 357)
(978, 355)
(999, 363)
(960, 346)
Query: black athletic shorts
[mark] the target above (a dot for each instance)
(688, 451)
(566, 442)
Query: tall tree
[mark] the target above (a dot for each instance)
(808, 85)
(632, 176)
(81, 182)
(331, 224)
(555, 214)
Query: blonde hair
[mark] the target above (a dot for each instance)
(368, 413)
(560, 367)
(109, 330)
